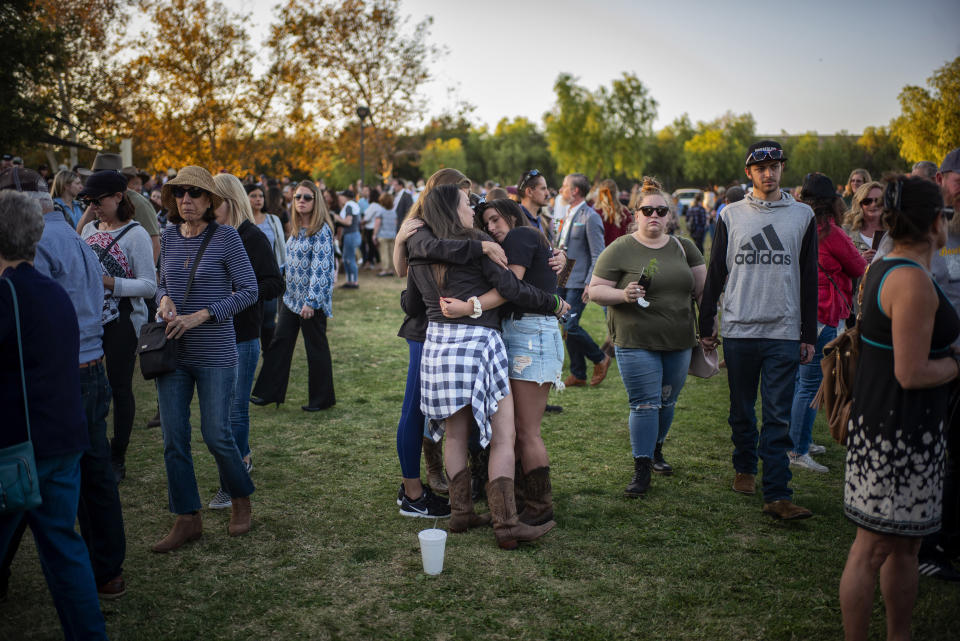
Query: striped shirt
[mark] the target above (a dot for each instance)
(225, 284)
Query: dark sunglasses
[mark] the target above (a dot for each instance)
(650, 211)
(195, 192)
(93, 201)
(533, 173)
(761, 155)
(306, 197)
(866, 202)
(947, 213)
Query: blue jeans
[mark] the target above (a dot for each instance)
(248, 353)
(410, 429)
(771, 364)
(351, 242)
(63, 555)
(215, 387)
(653, 381)
(579, 343)
(809, 377)
(100, 513)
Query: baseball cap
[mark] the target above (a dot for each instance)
(764, 150)
(104, 182)
(347, 193)
(951, 162)
(819, 186)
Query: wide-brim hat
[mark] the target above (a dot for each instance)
(190, 176)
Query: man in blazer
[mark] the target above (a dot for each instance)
(581, 237)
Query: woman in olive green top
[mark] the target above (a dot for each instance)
(652, 343)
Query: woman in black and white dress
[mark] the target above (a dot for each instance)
(464, 370)
(895, 455)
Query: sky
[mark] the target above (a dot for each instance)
(803, 65)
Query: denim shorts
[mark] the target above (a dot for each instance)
(534, 349)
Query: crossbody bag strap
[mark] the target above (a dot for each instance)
(835, 286)
(23, 375)
(211, 227)
(119, 236)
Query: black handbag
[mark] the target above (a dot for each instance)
(19, 482)
(158, 354)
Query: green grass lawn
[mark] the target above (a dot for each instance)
(330, 558)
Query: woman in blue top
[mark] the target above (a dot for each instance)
(66, 186)
(307, 304)
(224, 284)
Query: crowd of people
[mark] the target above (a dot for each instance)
(497, 282)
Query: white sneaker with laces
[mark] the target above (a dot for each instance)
(816, 449)
(807, 463)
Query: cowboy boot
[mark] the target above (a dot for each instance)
(462, 516)
(506, 525)
(239, 516)
(188, 527)
(539, 497)
(433, 458)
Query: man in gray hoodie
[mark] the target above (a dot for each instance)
(764, 261)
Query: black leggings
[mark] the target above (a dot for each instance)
(120, 353)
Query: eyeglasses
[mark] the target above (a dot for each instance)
(760, 155)
(866, 202)
(947, 213)
(661, 211)
(533, 173)
(195, 192)
(306, 197)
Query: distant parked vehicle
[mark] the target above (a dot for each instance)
(684, 199)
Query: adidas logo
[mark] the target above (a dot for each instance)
(763, 249)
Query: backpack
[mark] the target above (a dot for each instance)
(839, 366)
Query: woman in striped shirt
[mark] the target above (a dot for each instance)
(202, 323)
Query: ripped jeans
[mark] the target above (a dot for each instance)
(653, 381)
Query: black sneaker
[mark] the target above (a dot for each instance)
(428, 506)
(553, 408)
(400, 495)
(939, 568)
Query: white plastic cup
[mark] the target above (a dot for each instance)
(432, 545)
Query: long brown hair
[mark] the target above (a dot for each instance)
(439, 213)
(510, 212)
(319, 214)
(445, 176)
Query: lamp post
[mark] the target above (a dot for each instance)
(363, 113)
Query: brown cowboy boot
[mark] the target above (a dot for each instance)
(539, 497)
(188, 527)
(239, 516)
(433, 458)
(506, 525)
(462, 516)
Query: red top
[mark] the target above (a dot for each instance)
(610, 231)
(840, 260)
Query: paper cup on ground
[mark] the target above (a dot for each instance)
(432, 544)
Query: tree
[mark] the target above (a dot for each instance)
(666, 157)
(518, 146)
(601, 133)
(331, 57)
(929, 124)
(210, 108)
(715, 154)
(31, 52)
(442, 153)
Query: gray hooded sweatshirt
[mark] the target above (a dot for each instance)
(764, 261)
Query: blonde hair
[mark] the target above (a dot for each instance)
(60, 182)
(445, 176)
(853, 219)
(319, 214)
(863, 173)
(238, 205)
(608, 203)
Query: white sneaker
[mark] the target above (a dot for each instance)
(807, 463)
(816, 449)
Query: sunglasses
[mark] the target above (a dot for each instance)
(306, 197)
(661, 211)
(94, 201)
(866, 202)
(947, 213)
(533, 173)
(760, 155)
(195, 192)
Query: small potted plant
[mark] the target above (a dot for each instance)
(646, 277)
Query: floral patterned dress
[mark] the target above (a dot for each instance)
(895, 447)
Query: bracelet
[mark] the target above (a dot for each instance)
(477, 309)
(557, 308)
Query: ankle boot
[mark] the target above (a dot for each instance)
(506, 525)
(433, 458)
(462, 516)
(641, 477)
(239, 516)
(188, 527)
(539, 502)
(660, 466)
